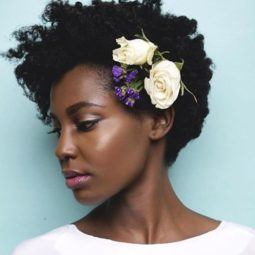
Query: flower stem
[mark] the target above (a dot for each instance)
(189, 91)
(162, 57)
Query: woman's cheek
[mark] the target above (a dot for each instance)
(117, 151)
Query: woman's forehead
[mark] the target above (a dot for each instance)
(79, 84)
(81, 77)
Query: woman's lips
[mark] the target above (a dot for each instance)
(78, 181)
(76, 178)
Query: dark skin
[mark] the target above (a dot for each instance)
(137, 203)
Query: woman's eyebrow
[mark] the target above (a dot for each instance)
(72, 109)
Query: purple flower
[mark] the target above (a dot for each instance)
(128, 95)
(136, 95)
(129, 101)
(120, 92)
(131, 75)
(117, 89)
(117, 71)
(133, 93)
(130, 91)
(116, 79)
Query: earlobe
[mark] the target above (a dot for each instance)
(162, 124)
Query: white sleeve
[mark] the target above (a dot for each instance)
(44, 244)
(34, 246)
(250, 248)
(22, 249)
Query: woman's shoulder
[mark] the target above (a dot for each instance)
(228, 234)
(239, 235)
(42, 243)
(238, 228)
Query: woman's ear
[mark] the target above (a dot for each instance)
(162, 124)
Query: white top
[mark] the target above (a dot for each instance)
(228, 238)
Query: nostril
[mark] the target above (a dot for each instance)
(65, 151)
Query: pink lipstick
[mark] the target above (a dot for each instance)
(76, 178)
(78, 181)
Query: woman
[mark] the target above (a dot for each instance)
(125, 88)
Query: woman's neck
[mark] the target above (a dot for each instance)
(147, 215)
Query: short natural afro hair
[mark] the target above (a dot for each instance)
(80, 34)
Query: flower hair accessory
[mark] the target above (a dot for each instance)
(138, 58)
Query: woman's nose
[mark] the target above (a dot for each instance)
(65, 148)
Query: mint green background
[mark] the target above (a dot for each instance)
(213, 175)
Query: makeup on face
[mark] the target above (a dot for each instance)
(72, 112)
(79, 181)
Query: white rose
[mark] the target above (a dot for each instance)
(163, 85)
(134, 52)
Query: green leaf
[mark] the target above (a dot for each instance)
(157, 59)
(123, 65)
(182, 89)
(179, 64)
(139, 82)
(136, 84)
(139, 36)
(130, 68)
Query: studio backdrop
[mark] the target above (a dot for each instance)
(213, 175)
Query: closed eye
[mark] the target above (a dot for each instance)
(83, 126)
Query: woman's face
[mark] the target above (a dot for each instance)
(113, 147)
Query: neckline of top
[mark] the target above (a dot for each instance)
(107, 240)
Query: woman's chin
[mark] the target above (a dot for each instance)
(84, 198)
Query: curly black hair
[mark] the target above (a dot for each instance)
(86, 34)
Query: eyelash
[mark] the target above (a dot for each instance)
(79, 125)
